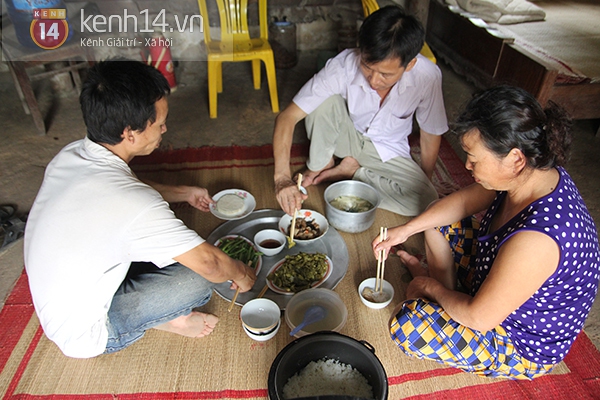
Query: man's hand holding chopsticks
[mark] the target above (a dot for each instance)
(289, 196)
(246, 282)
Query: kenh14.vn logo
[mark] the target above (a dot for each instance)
(49, 28)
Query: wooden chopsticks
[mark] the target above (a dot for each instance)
(299, 181)
(261, 294)
(237, 292)
(291, 242)
(380, 262)
(263, 291)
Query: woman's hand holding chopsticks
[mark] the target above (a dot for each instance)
(380, 261)
(395, 236)
(381, 247)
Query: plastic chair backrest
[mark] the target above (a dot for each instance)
(369, 6)
(233, 15)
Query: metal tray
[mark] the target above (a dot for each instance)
(331, 244)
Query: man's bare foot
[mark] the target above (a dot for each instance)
(412, 263)
(194, 325)
(344, 170)
(309, 176)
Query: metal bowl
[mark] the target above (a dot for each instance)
(352, 222)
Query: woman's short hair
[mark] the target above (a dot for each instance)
(120, 94)
(508, 117)
(390, 33)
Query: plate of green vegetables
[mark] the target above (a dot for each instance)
(298, 272)
(240, 248)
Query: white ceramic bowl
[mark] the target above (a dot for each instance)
(334, 320)
(286, 220)
(273, 236)
(261, 337)
(260, 315)
(388, 293)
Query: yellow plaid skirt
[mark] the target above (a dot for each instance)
(462, 238)
(423, 329)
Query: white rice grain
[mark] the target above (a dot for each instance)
(327, 377)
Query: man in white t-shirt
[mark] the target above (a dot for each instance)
(359, 112)
(105, 256)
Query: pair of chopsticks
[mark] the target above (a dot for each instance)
(261, 294)
(291, 242)
(380, 261)
(263, 291)
(237, 292)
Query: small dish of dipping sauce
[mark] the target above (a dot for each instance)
(270, 241)
(270, 244)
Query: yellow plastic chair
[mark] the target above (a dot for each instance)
(369, 6)
(235, 44)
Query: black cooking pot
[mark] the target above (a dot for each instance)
(332, 345)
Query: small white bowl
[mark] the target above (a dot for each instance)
(272, 235)
(260, 316)
(286, 220)
(388, 293)
(261, 337)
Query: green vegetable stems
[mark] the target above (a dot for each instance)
(239, 249)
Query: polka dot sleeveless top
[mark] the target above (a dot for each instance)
(545, 326)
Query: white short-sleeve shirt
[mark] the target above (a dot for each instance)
(388, 125)
(91, 218)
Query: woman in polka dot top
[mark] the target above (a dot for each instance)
(509, 295)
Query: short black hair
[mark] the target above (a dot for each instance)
(120, 94)
(390, 33)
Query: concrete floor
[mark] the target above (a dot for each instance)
(245, 118)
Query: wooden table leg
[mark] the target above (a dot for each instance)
(24, 83)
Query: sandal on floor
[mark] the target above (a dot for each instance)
(6, 212)
(12, 228)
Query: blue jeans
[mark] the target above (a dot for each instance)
(151, 296)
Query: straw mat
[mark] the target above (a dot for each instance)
(229, 365)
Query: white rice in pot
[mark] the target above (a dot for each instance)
(327, 377)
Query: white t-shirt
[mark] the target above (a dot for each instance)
(419, 92)
(91, 218)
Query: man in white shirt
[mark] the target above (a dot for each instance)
(105, 256)
(359, 110)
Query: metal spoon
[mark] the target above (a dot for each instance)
(312, 315)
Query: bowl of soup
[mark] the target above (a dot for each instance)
(350, 206)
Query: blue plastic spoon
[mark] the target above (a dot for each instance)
(313, 314)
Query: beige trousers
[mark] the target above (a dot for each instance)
(401, 183)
